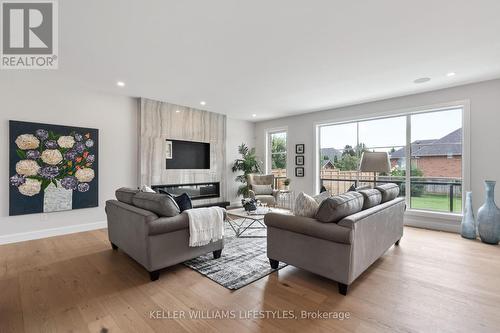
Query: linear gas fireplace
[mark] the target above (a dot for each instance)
(195, 191)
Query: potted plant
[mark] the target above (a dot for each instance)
(248, 163)
(287, 182)
(249, 204)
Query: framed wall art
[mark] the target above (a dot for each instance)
(299, 172)
(52, 168)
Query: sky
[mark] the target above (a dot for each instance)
(391, 132)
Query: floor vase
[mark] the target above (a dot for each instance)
(488, 216)
(468, 229)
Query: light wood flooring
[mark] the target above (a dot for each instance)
(432, 282)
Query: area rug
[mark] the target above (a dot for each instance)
(243, 261)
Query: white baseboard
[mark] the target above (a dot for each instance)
(30, 235)
(435, 223)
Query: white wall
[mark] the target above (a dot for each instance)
(238, 132)
(35, 97)
(484, 100)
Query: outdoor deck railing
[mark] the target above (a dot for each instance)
(450, 187)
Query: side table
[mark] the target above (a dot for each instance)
(286, 199)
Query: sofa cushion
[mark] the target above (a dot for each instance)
(389, 191)
(165, 225)
(337, 207)
(305, 205)
(262, 189)
(322, 196)
(256, 179)
(160, 204)
(371, 198)
(310, 227)
(267, 199)
(126, 195)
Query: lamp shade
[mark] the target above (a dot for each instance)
(375, 162)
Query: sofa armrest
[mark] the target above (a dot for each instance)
(128, 228)
(374, 231)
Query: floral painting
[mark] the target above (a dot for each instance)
(52, 168)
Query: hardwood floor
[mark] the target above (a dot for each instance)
(432, 282)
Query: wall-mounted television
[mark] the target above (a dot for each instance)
(187, 155)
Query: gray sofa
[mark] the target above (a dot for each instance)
(154, 242)
(339, 251)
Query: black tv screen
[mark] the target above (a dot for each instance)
(188, 155)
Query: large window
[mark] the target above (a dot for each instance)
(434, 164)
(277, 154)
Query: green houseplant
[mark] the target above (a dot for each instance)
(248, 163)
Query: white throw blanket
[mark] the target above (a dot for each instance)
(205, 225)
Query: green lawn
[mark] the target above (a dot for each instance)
(436, 202)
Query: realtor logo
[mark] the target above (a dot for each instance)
(29, 34)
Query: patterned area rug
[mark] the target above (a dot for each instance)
(243, 260)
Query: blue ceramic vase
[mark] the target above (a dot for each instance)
(488, 216)
(468, 223)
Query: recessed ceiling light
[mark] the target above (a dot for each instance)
(177, 111)
(451, 74)
(422, 80)
(203, 102)
(254, 115)
(120, 84)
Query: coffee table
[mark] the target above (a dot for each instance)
(240, 220)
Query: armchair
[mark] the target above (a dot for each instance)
(255, 179)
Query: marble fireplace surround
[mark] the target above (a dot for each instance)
(162, 121)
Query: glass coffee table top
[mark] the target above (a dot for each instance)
(241, 221)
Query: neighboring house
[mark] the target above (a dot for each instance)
(436, 158)
(328, 165)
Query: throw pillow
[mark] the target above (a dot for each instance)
(262, 189)
(160, 204)
(183, 201)
(372, 197)
(322, 196)
(305, 205)
(337, 207)
(147, 189)
(390, 191)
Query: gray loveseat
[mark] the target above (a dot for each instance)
(154, 242)
(339, 251)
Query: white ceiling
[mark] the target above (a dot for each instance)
(280, 57)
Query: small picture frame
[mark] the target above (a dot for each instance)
(168, 150)
(299, 172)
(299, 160)
(299, 148)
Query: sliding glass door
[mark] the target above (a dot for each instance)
(433, 139)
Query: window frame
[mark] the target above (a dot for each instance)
(269, 153)
(441, 220)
